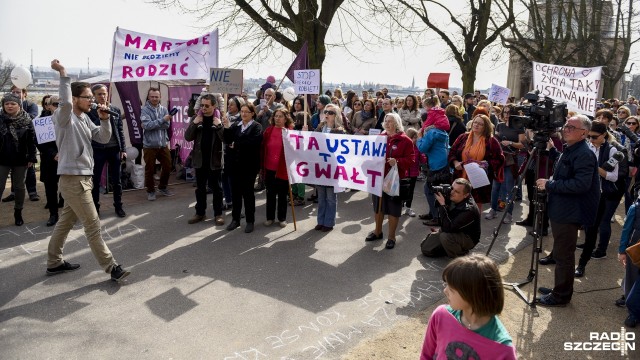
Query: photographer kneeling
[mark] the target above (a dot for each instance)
(460, 231)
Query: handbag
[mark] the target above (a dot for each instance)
(634, 253)
(391, 182)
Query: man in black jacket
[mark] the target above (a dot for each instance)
(460, 231)
(206, 132)
(573, 196)
(111, 153)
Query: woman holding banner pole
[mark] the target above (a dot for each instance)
(327, 198)
(400, 152)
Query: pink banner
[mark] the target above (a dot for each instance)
(179, 97)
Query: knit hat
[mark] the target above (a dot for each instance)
(468, 96)
(271, 79)
(324, 99)
(11, 97)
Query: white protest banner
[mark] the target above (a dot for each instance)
(576, 86)
(44, 129)
(138, 56)
(307, 81)
(347, 161)
(499, 94)
(225, 81)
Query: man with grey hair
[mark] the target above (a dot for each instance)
(573, 196)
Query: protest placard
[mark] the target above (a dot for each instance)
(44, 129)
(138, 56)
(226, 81)
(578, 87)
(499, 94)
(307, 81)
(345, 161)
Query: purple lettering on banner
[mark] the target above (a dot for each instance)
(131, 108)
(179, 97)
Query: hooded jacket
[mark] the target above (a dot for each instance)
(155, 126)
(436, 117)
(435, 144)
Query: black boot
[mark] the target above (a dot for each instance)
(17, 214)
(53, 219)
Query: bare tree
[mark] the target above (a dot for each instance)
(6, 66)
(582, 33)
(269, 25)
(467, 30)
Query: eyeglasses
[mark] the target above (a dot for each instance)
(246, 112)
(631, 123)
(593, 137)
(206, 106)
(571, 128)
(621, 112)
(329, 112)
(354, 104)
(90, 98)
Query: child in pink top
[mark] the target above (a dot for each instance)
(468, 327)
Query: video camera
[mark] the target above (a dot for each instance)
(540, 115)
(443, 189)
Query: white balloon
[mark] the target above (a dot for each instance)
(20, 77)
(289, 93)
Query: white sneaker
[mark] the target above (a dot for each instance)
(165, 192)
(283, 224)
(491, 215)
(268, 223)
(151, 196)
(410, 212)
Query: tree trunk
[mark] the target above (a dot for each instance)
(469, 74)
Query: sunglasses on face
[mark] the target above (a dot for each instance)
(593, 137)
(632, 123)
(329, 112)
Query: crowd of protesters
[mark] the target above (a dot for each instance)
(431, 137)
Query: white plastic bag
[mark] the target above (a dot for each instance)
(391, 183)
(137, 176)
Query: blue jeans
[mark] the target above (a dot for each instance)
(502, 190)
(633, 299)
(327, 206)
(431, 200)
(610, 207)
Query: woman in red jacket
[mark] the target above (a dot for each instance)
(400, 151)
(274, 168)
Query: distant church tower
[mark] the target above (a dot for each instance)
(413, 83)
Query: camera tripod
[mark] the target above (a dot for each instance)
(540, 201)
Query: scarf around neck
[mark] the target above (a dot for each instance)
(9, 124)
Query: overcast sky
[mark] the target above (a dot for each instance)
(52, 31)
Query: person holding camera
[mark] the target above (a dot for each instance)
(460, 231)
